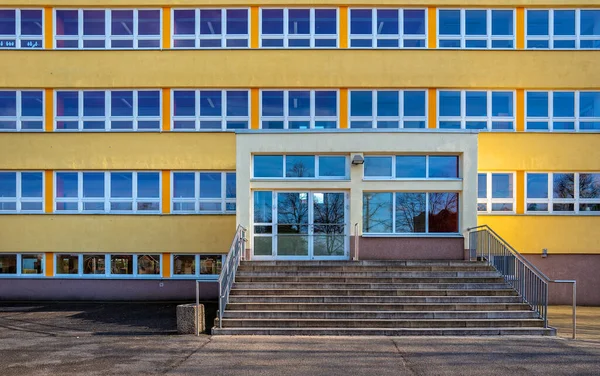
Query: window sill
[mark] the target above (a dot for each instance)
(416, 235)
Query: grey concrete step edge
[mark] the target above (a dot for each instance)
(381, 274)
(387, 331)
(247, 314)
(363, 262)
(277, 291)
(376, 299)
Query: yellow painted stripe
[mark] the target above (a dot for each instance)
(48, 28)
(166, 265)
(254, 109)
(166, 110)
(49, 115)
(520, 113)
(520, 28)
(166, 191)
(49, 267)
(343, 32)
(344, 108)
(431, 27)
(520, 186)
(48, 191)
(254, 27)
(432, 103)
(166, 29)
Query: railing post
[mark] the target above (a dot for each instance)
(574, 308)
(197, 310)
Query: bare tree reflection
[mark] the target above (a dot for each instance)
(410, 212)
(377, 212)
(443, 212)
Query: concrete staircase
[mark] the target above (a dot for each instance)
(375, 298)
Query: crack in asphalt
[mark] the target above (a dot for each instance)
(405, 363)
(179, 362)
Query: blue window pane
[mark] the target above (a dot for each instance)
(449, 125)
(299, 21)
(230, 185)
(361, 103)
(537, 185)
(387, 21)
(481, 185)
(503, 44)
(589, 104)
(121, 103)
(563, 125)
(360, 21)
(299, 103)
(93, 103)
(502, 22)
(183, 185)
(31, 22)
(590, 22)
(387, 43)
(237, 21)
(93, 22)
(388, 103)
(358, 43)
(272, 124)
(326, 103)
(122, 22)
(210, 22)
(263, 206)
(237, 103)
(300, 166)
(268, 166)
(414, 124)
(272, 21)
(476, 102)
(537, 22)
(148, 185)
(476, 44)
(563, 104)
(476, 125)
(388, 124)
(502, 103)
(184, 21)
(475, 22)
(149, 103)
(378, 212)
(210, 103)
(149, 22)
(443, 166)
(8, 103)
(502, 185)
(67, 103)
(378, 166)
(449, 22)
(332, 166)
(326, 21)
(414, 103)
(121, 184)
(184, 103)
(93, 184)
(455, 43)
(7, 22)
(564, 22)
(537, 104)
(8, 184)
(411, 166)
(272, 103)
(564, 44)
(414, 21)
(66, 184)
(449, 103)
(31, 184)
(535, 125)
(67, 22)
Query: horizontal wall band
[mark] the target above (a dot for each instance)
(345, 68)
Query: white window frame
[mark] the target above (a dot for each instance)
(19, 271)
(286, 118)
(197, 118)
(375, 118)
(135, 274)
(427, 177)
(197, 275)
(19, 118)
(489, 199)
(107, 37)
(489, 119)
(107, 118)
(107, 199)
(316, 167)
(196, 200)
(197, 37)
(312, 36)
(375, 36)
(19, 200)
(18, 37)
(576, 119)
(550, 37)
(551, 200)
(463, 37)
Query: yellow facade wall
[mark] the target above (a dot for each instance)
(346, 68)
(117, 233)
(122, 151)
(529, 234)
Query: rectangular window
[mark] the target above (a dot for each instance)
(21, 192)
(412, 167)
(388, 28)
(496, 192)
(94, 264)
(562, 28)
(476, 28)
(8, 264)
(410, 213)
(388, 109)
(210, 28)
(107, 192)
(203, 192)
(21, 28)
(32, 264)
(298, 28)
(327, 167)
(21, 110)
(562, 111)
(299, 109)
(563, 193)
(67, 264)
(107, 110)
(210, 110)
(107, 28)
(186, 266)
(477, 110)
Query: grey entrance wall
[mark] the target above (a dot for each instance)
(409, 248)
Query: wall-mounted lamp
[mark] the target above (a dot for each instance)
(358, 159)
(544, 253)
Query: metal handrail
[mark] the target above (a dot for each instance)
(227, 276)
(485, 244)
(356, 244)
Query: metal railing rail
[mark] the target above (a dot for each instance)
(356, 238)
(531, 284)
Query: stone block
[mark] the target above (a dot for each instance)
(186, 322)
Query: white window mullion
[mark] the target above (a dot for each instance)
(223, 110)
(374, 30)
(286, 21)
(489, 110)
(80, 28)
(197, 192)
(401, 108)
(374, 99)
(223, 192)
(223, 27)
(197, 27)
(576, 112)
(80, 110)
(401, 29)
(313, 111)
(550, 111)
(312, 27)
(136, 20)
(197, 113)
(107, 192)
(463, 29)
(488, 29)
(427, 166)
(80, 192)
(550, 192)
(18, 191)
(551, 28)
(134, 190)
(286, 104)
(427, 212)
(463, 109)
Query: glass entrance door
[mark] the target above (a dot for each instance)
(300, 225)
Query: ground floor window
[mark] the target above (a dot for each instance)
(187, 266)
(8, 264)
(108, 265)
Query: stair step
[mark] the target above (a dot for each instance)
(387, 331)
(370, 292)
(358, 286)
(379, 314)
(359, 268)
(344, 279)
(372, 299)
(377, 274)
(253, 306)
(424, 263)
